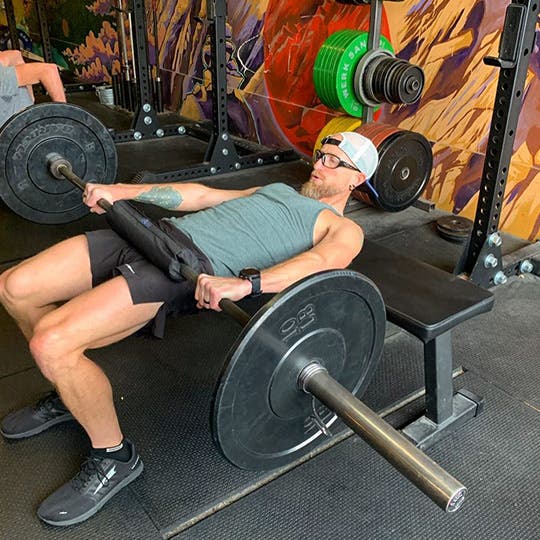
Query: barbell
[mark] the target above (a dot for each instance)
(297, 363)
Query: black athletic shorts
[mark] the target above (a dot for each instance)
(111, 255)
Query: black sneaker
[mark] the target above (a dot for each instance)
(98, 480)
(47, 412)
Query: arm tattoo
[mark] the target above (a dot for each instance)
(166, 197)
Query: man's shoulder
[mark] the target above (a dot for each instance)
(335, 219)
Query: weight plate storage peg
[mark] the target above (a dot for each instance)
(380, 77)
(262, 419)
(26, 184)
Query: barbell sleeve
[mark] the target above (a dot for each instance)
(314, 379)
(447, 492)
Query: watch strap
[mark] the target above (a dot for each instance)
(253, 275)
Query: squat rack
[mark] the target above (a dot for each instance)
(222, 154)
(43, 28)
(482, 261)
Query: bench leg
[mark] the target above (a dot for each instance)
(445, 412)
(438, 378)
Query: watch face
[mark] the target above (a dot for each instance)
(253, 275)
(250, 272)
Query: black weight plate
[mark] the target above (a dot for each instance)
(405, 164)
(408, 88)
(454, 228)
(261, 420)
(363, 76)
(26, 184)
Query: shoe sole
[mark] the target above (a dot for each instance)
(83, 517)
(38, 429)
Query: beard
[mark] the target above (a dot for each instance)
(317, 191)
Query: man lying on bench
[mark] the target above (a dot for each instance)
(95, 289)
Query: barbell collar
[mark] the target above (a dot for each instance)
(447, 492)
(54, 161)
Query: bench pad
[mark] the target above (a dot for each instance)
(423, 300)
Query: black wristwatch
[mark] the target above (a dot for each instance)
(253, 275)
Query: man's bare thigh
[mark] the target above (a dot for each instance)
(58, 273)
(99, 316)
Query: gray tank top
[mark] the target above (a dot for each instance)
(263, 229)
(12, 97)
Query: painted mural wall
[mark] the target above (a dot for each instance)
(456, 107)
(271, 49)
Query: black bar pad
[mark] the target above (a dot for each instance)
(513, 27)
(151, 242)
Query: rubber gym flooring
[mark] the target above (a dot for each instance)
(163, 391)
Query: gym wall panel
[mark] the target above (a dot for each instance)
(271, 47)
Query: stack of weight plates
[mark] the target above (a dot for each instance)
(335, 67)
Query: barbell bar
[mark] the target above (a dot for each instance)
(60, 168)
(309, 376)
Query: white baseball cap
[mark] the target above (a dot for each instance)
(359, 149)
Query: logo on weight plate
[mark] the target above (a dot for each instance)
(294, 326)
(325, 416)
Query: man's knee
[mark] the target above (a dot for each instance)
(51, 350)
(15, 285)
(11, 58)
(17, 57)
(51, 70)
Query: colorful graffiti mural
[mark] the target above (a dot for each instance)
(271, 48)
(273, 99)
(456, 107)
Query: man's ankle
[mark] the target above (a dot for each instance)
(120, 452)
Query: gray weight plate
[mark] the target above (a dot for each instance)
(363, 76)
(454, 228)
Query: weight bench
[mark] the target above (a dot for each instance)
(428, 302)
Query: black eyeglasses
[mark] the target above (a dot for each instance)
(331, 161)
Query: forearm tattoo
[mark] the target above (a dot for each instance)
(166, 197)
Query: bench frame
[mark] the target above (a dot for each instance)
(445, 411)
(428, 303)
